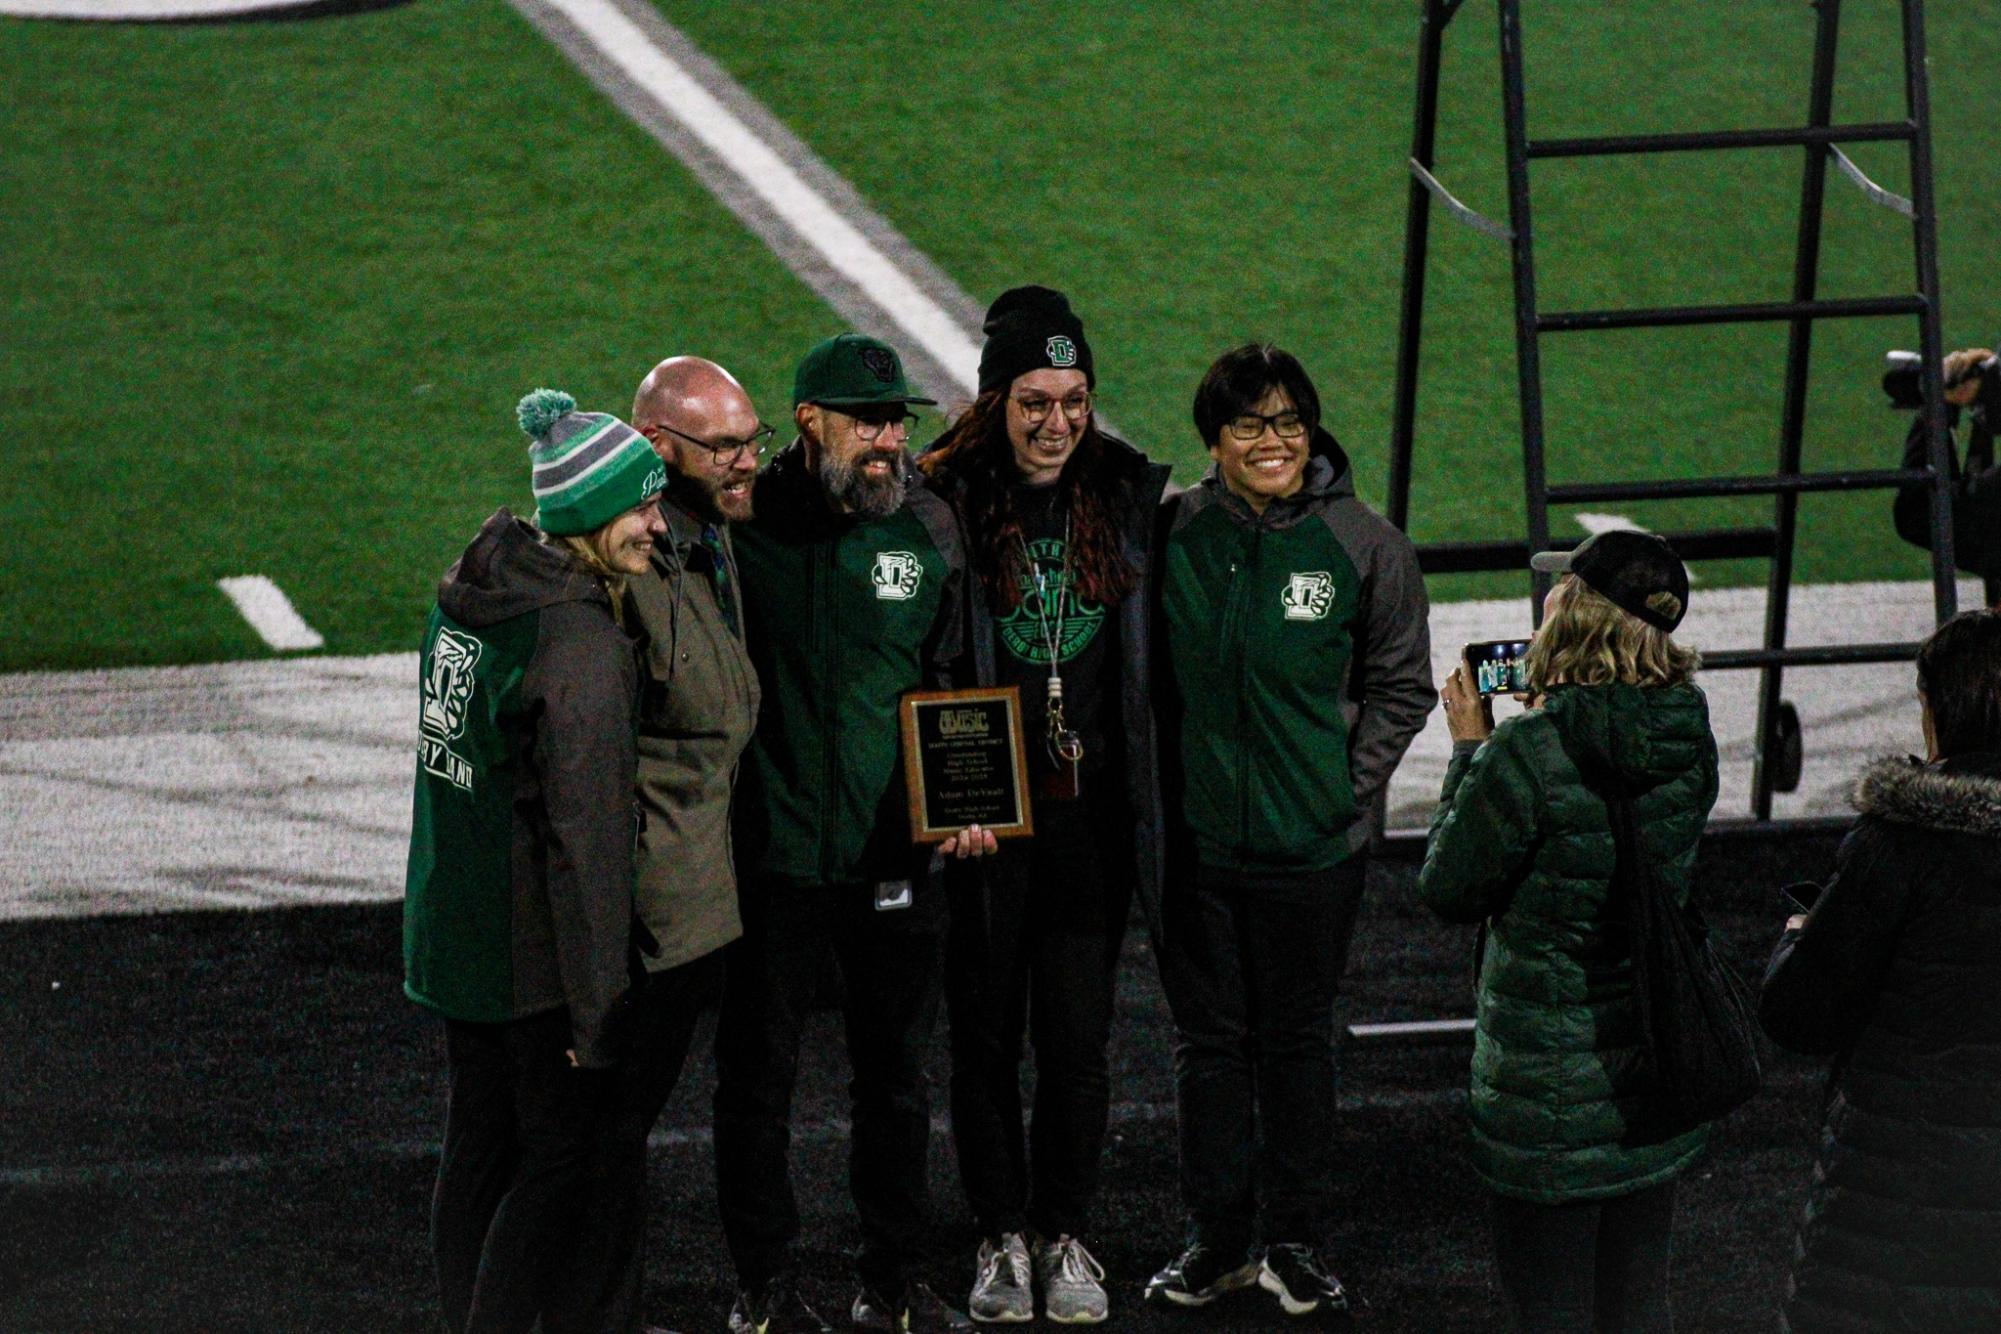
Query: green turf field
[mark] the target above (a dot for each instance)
(271, 289)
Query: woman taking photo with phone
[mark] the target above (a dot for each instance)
(1896, 973)
(1580, 1156)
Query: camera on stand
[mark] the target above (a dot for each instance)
(1905, 385)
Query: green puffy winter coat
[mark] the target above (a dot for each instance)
(1560, 1094)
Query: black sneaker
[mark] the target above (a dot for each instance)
(775, 1308)
(918, 1310)
(1303, 1285)
(1201, 1274)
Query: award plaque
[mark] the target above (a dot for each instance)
(964, 763)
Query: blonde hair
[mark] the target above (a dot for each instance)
(581, 546)
(1588, 640)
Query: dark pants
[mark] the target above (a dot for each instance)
(602, 1294)
(890, 965)
(515, 1173)
(1037, 953)
(1595, 1265)
(1251, 967)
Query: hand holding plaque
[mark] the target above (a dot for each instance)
(964, 763)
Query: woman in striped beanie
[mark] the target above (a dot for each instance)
(518, 926)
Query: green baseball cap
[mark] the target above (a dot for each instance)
(852, 371)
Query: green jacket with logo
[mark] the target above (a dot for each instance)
(519, 892)
(1560, 1105)
(1298, 668)
(843, 616)
(698, 704)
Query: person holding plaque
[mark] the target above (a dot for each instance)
(1296, 670)
(853, 578)
(1059, 517)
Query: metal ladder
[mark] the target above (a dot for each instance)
(1776, 767)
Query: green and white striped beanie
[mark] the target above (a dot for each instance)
(587, 468)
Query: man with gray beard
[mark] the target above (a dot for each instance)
(854, 576)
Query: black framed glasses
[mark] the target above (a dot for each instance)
(1035, 408)
(728, 451)
(1287, 425)
(868, 429)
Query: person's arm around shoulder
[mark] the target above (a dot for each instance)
(1490, 813)
(1825, 974)
(583, 678)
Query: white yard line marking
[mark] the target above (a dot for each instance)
(270, 612)
(286, 781)
(621, 42)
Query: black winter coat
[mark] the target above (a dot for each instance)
(1897, 972)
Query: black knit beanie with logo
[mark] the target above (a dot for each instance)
(1032, 329)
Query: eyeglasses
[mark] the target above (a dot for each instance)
(1037, 407)
(728, 451)
(1287, 425)
(866, 430)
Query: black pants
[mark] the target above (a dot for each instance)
(601, 1294)
(1037, 953)
(515, 1174)
(891, 964)
(1595, 1265)
(1251, 967)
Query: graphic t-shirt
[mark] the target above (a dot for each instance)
(1083, 633)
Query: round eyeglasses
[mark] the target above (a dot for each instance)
(1035, 408)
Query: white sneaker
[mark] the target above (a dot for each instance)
(1072, 1283)
(1001, 1293)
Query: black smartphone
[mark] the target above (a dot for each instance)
(1496, 665)
(1799, 897)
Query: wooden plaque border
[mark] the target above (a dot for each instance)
(913, 776)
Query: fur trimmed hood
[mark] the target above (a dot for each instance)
(1962, 797)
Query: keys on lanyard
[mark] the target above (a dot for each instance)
(1065, 746)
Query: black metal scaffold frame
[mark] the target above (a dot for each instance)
(1820, 140)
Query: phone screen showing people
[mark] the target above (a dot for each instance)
(1497, 665)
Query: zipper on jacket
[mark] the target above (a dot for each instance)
(1234, 617)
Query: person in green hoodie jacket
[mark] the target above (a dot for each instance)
(1297, 668)
(854, 577)
(518, 921)
(1579, 1155)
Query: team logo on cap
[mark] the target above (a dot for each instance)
(1061, 352)
(651, 487)
(896, 574)
(881, 363)
(448, 683)
(1308, 596)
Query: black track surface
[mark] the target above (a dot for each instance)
(228, 1121)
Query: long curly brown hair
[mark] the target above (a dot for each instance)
(974, 454)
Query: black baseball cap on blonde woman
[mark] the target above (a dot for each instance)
(1635, 571)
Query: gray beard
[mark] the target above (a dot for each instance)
(854, 490)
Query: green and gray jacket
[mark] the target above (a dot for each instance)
(1298, 668)
(698, 704)
(843, 616)
(518, 897)
(1560, 1089)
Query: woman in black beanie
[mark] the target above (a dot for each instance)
(1060, 518)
